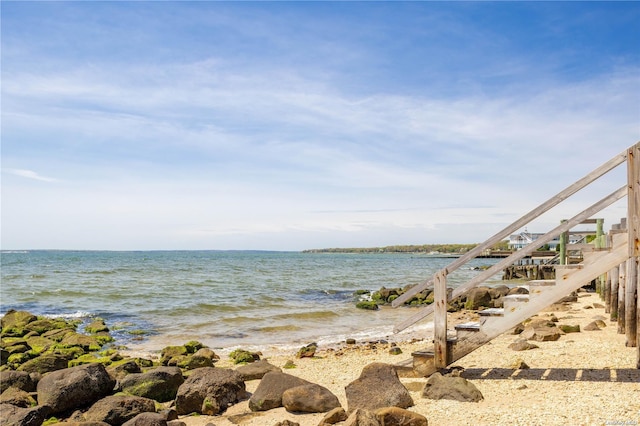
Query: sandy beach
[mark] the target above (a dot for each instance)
(585, 378)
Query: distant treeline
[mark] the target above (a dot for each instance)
(424, 248)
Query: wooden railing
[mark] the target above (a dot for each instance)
(632, 190)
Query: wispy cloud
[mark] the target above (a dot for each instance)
(30, 174)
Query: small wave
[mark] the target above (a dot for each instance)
(14, 252)
(277, 328)
(71, 315)
(308, 315)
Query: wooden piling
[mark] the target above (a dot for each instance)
(440, 320)
(613, 296)
(622, 273)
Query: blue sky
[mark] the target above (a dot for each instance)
(293, 125)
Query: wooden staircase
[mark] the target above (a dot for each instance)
(623, 249)
(517, 308)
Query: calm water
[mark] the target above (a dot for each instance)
(225, 299)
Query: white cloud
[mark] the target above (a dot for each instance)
(30, 174)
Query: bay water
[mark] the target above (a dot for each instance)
(257, 300)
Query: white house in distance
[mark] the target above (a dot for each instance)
(524, 238)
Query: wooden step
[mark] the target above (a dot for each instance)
(541, 283)
(492, 312)
(538, 286)
(468, 326)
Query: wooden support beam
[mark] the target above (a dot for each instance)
(615, 279)
(631, 288)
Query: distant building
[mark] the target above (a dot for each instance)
(524, 238)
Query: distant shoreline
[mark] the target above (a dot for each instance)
(433, 249)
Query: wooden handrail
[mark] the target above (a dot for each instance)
(525, 251)
(524, 220)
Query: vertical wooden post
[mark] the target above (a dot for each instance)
(622, 273)
(440, 319)
(630, 308)
(633, 227)
(563, 246)
(613, 297)
(600, 243)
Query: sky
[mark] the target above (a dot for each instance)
(295, 125)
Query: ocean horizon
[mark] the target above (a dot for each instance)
(226, 299)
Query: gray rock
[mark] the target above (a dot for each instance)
(256, 370)
(18, 416)
(542, 333)
(122, 369)
(161, 383)
(360, 417)
(16, 379)
(118, 409)
(268, 394)
(479, 296)
(334, 416)
(394, 416)
(147, 419)
(378, 386)
(72, 388)
(522, 345)
(17, 397)
(310, 398)
(455, 388)
(209, 391)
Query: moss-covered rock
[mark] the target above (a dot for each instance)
(240, 356)
(45, 363)
(97, 326)
(89, 359)
(170, 352)
(193, 346)
(39, 344)
(13, 322)
(368, 305)
(43, 325)
(58, 334)
(87, 343)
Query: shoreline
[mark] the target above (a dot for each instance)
(585, 378)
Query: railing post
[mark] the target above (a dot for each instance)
(600, 243)
(563, 245)
(440, 319)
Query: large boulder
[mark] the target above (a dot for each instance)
(16, 379)
(18, 416)
(161, 383)
(209, 391)
(310, 398)
(256, 370)
(378, 386)
(118, 409)
(268, 394)
(74, 387)
(477, 297)
(447, 387)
